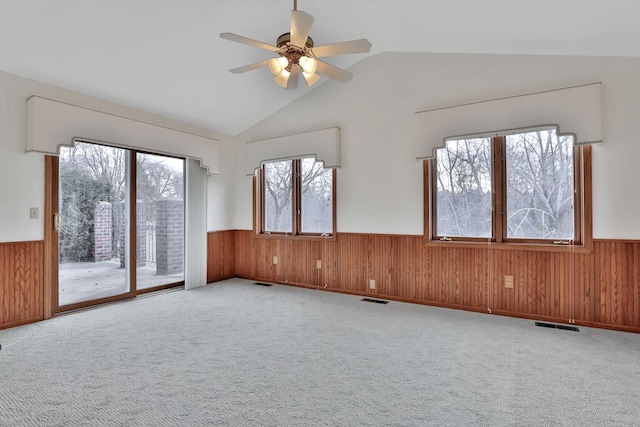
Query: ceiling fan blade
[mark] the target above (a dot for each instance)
(353, 46)
(293, 78)
(249, 67)
(248, 41)
(301, 23)
(334, 72)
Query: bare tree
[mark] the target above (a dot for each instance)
(539, 186)
(317, 197)
(278, 186)
(464, 188)
(156, 179)
(91, 173)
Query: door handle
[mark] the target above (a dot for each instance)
(57, 222)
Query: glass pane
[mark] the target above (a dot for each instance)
(277, 196)
(317, 197)
(92, 238)
(463, 189)
(540, 186)
(159, 220)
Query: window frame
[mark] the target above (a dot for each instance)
(434, 219)
(583, 240)
(296, 204)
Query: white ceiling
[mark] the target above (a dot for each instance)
(166, 57)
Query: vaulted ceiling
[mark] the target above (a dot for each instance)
(166, 57)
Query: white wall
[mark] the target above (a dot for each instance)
(380, 184)
(22, 174)
(221, 190)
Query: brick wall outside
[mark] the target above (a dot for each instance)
(141, 231)
(141, 249)
(102, 234)
(170, 236)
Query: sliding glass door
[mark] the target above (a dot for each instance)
(119, 223)
(159, 220)
(92, 223)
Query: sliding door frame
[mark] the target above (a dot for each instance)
(134, 225)
(51, 242)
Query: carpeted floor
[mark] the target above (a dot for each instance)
(237, 354)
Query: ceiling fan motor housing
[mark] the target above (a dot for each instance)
(286, 38)
(291, 52)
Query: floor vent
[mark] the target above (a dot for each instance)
(555, 326)
(262, 284)
(377, 301)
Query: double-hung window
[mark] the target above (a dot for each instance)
(523, 187)
(295, 197)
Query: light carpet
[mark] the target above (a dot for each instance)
(237, 354)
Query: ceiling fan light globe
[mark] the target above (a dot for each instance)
(274, 66)
(311, 78)
(309, 65)
(283, 78)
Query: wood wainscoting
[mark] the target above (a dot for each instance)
(221, 255)
(21, 283)
(599, 289)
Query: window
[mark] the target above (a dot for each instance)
(295, 197)
(463, 198)
(525, 187)
(539, 179)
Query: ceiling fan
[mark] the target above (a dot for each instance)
(298, 55)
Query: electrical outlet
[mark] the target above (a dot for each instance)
(275, 260)
(508, 282)
(372, 284)
(318, 264)
(33, 213)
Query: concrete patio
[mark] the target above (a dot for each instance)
(85, 281)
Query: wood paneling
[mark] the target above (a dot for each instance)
(601, 288)
(297, 259)
(220, 255)
(21, 283)
(596, 289)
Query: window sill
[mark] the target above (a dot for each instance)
(283, 236)
(529, 247)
